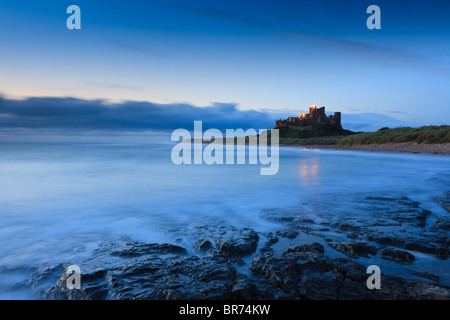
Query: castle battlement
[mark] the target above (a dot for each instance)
(316, 116)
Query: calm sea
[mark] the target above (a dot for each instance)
(59, 201)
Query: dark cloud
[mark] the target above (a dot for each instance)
(72, 115)
(130, 116)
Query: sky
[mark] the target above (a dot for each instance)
(234, 63)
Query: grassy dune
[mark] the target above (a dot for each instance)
(428, 135)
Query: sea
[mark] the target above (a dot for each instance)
(59, 201)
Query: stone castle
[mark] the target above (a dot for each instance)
(315, 116)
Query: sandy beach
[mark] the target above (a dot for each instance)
(409, 147)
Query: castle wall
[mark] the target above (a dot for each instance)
(315, 116)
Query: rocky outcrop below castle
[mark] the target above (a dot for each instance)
(320, 130)
(324, 256)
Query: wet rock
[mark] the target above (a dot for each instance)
(287, 233)
(276, 270)
(354, 249)
(283, 270)
(392, 221)
(271, 239)
(425, 275)
(398, 210)
(426, 291)
(354, 236)
(350, 269)
(431, 245)
(243, 288)
(311, 276)
(312, 287)
(392, 288)
(238, 245)
(381, 238)
(438, 249)
(128, 248)
(397, 255)
(442, 223)
(308, 247)
(411, 238)
(124, 269)
(286, 215)
(229, 241)
(346, 226)
(154, 274)
(202, 245)
(444, 201)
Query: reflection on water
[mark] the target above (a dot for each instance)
(309, 172)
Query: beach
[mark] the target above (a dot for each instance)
(408, 147)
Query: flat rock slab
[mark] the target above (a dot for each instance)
(397, 255)
(228, 240)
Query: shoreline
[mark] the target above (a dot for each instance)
(405, 147)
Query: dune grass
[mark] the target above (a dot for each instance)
(426, 134)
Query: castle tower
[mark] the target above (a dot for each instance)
(313, 112)
(337, 119)
(321, 111)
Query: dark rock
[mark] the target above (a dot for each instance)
(271, 239)
(112, 275)
(425, 291)
(440, 250)
(311, 262)
(283, 270)
(309, 247)
(311, 275)
(442, 223)
(243, 288)
(381, 238)
(230, 241)
(202, 245)
(397, 255)
(287, 233)
(350, 269)
(347, 227)
(202, 269)
(354, 236)
(312, 287)
(425, 275)
(354, 249)
(444, 201)
(128, 248)
(243, 244)
(386, 220)
(412, 239)
(392, 288)
(278, 270)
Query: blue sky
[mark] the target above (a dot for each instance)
(268, 56)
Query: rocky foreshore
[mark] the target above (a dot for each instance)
(317, 257)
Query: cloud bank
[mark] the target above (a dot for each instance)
(71, 115)
(131, 116)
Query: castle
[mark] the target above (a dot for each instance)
(315, 116)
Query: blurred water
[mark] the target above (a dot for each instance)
(59, 201)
